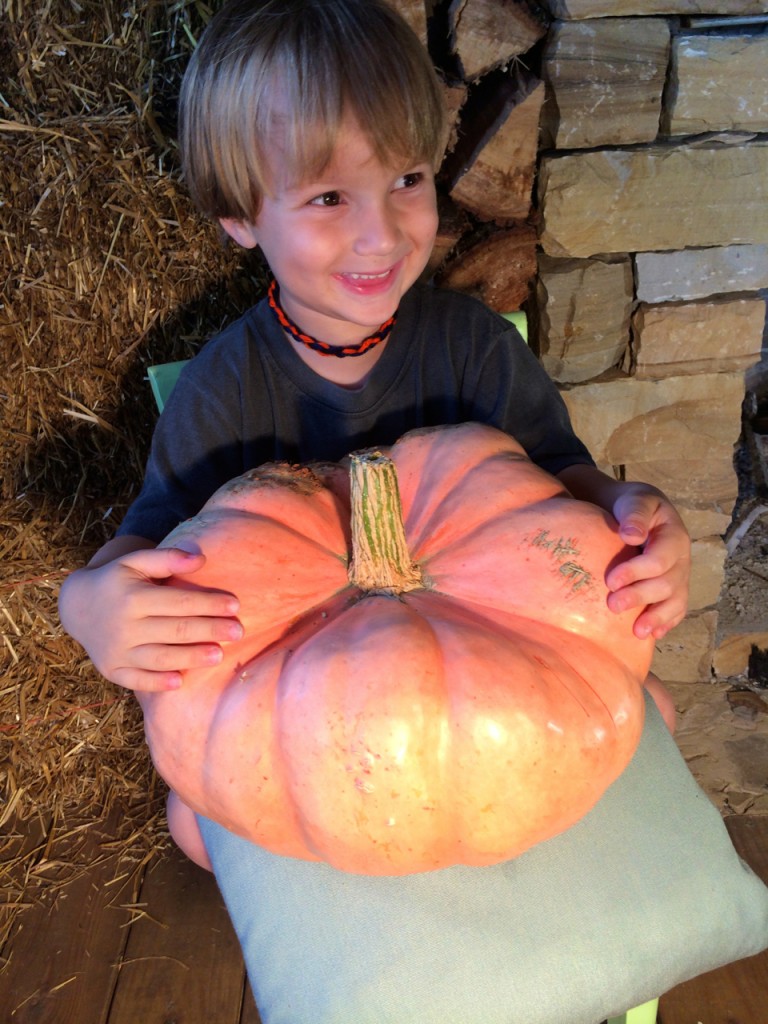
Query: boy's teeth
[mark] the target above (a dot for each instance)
(368, 277)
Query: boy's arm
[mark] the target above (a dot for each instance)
(139, 633)
(656, 579)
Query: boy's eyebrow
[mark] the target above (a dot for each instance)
(326, 179)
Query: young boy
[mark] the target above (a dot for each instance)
(313, 129)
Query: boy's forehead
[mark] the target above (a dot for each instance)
(303, 153)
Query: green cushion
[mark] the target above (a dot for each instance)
(645, 892)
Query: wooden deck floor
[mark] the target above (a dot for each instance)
(152, 944)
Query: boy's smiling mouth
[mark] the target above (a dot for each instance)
(370, 281)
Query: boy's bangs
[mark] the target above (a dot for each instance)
(402, 127)
(308, 142)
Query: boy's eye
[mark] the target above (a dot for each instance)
(326, 199)
(410, 180)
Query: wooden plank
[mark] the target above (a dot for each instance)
(737, 993)
(182, 961)
(61, 953)
(21, 844)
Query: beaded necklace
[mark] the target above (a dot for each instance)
(322, 346)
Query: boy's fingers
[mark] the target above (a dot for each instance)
(160, 563)
(180, 603)
(200, 629)
(658, 620)
(182, 630)
(634, 529)
(141, 681)
(160, 667)
(635, 515)
(644, 567)
(639, 595)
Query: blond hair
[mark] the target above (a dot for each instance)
(299, 67)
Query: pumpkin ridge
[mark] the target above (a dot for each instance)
(221, 517)
(516, 621)
(260, 684)
(484, 487)
(486, 525)
(430, 461)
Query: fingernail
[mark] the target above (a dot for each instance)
(214, 656)
(235, 631)
(233, 606)
(629, 533)
(173, 682)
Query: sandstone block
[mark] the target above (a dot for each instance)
(707, 572)
(704, 483)
(574, 9)
(654, 198)
(685, 653)
(718, 82)
(605, 78)
(583, 309)
(699, 273)
(704, 522)
(627, 420)
(697, 337)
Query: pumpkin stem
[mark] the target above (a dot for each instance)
(381, 562)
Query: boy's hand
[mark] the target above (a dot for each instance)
(139, 633)
(656, 579)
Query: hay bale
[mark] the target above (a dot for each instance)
(105, 268)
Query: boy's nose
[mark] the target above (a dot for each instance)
(377, 230)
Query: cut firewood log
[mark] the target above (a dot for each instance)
(452, 225)
(415, 13)
(493, 168)
(498, 270)
(486, 34)
(454, 96)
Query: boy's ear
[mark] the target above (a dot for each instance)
(242, 231)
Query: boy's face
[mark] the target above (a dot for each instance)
(346, 246)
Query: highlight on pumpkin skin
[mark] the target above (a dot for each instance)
(334, 689)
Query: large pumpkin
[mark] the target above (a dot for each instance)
(450, 695)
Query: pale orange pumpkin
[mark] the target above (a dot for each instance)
(453, 703)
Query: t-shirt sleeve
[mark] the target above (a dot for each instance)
(509, 388)
(196, 447)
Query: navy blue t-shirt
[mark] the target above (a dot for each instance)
(248, 398)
